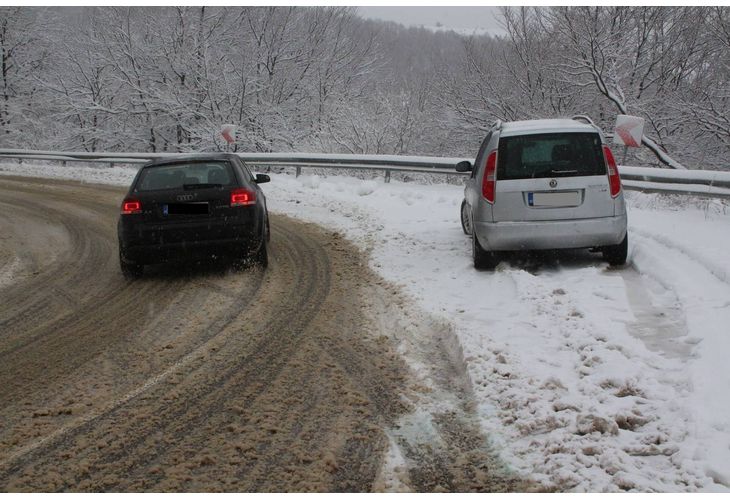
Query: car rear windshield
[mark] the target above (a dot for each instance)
(182, 175)
(550, 155)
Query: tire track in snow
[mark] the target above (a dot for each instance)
(610, 409)
(705, 297)
(718, 272)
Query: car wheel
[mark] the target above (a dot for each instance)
(616, 255)
(465, 221)
(130, 269)
(262, 256)
(482, 258)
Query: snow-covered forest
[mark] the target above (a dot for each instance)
(322, 79)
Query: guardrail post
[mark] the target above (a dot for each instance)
(387, 176)
(63, 163)
(299, 171)
(111, 164)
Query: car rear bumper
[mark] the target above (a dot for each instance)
(143, 245)
(546, 235)
(207, 250)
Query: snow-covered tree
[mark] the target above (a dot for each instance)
(23, 55)
(321, 79)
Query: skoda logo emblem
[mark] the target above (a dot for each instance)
(185, 197)
(553, 183)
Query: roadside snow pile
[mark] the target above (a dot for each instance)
(93, 175)
(366, 188)
(587, 378)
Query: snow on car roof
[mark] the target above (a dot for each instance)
(544, 126)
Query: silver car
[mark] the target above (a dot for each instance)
(544, 184)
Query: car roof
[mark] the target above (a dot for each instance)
(545, 126)
(191, 158)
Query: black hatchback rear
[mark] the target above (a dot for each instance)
(194, 208)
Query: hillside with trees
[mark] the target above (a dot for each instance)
(322, 79)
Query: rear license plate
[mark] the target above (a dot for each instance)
(198, 208)
(561, 199)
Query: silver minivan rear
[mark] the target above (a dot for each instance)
(544, 184)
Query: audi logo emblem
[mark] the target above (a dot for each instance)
(185, 197)
(553, 183)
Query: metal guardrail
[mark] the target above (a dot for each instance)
(704, 183)
(384, 163)
(64, 159)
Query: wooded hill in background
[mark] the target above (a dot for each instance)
(321, 79)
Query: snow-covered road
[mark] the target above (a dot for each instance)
(587, 378)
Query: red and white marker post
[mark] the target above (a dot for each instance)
(229, 134)
(628, 132)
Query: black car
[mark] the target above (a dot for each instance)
(198, 207)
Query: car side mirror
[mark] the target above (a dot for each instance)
(262, 178)
(464, 166)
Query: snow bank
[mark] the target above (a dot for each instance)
(121, 176)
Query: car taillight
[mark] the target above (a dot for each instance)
(489, 181)
(242, 197)
(614, 180)
(130, 206)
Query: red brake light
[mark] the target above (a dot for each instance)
(242, 197)
(130, 206)
(614, 180)
(489, 181)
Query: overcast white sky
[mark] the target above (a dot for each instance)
(459, 18)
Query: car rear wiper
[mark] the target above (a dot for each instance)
(201, 186)
(563, 172)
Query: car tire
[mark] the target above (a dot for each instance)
(482, 258)
(465, 222)
(262, 256)
(616, 255)
(130, 269)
